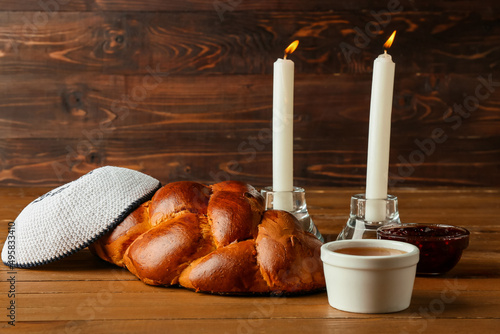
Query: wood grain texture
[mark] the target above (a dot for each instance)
(235, 5)
(84, 122)
(280, 326)
(86, 295)
(199, 43)
(179, 91)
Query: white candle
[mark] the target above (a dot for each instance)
(379, 137)
(283, 131)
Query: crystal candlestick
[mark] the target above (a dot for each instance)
(298, 207)
(358, 227)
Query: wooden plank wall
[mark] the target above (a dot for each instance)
(182, 90)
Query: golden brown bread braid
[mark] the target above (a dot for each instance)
(215, 239)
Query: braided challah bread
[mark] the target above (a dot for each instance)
(215, 239)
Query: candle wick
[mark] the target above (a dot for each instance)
(284, 57)
(385, 51)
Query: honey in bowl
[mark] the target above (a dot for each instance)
(369, 251)
(440, 245)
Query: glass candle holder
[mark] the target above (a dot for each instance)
(358, 227)
(298, 207)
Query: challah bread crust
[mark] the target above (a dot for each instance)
(289, 258)
(233, 217)
(112, 246)
(215, 239)
(158, 256)
(234, 267)
(176, 198)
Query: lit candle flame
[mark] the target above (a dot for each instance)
(390, 40)
(291, 48)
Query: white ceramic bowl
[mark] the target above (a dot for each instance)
(369, 284)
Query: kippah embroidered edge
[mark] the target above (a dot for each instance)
(115, 222)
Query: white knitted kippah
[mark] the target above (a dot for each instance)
(74, 215)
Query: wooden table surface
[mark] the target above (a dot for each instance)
(82, 294)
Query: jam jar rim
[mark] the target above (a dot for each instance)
(464, 232)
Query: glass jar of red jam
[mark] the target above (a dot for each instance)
(440, 245)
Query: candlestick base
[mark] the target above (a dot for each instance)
(358, 227)
(298, 207)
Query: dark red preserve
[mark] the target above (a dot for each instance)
(440, 245)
